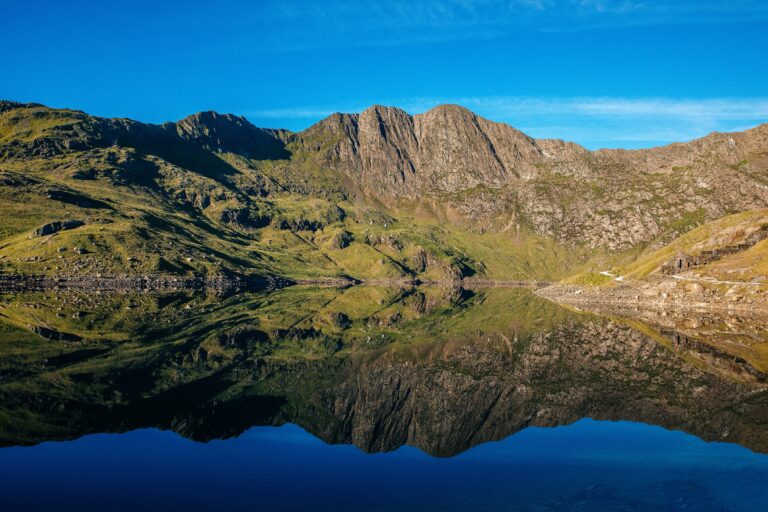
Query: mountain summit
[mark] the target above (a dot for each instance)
(227, 133)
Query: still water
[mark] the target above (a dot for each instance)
(585, 466)
(375, 399)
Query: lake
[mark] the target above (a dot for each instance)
(374, 398)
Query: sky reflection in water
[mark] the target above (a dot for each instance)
(589, 465)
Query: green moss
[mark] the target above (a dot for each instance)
(588, 279)
(687, 222)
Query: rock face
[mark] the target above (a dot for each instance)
(446, 150)
(55, 227)
(231, 134)
(610, 198)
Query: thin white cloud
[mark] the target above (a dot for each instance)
(593, 122)
(715, 108)
(292, 25)
(504, 106)
(295, 113)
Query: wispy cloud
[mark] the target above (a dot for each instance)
(693, 109)
(710, 108)
(298, 112)
(592, 121)
(300, 24)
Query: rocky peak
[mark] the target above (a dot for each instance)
(461, 150)
(389, 153)
(209, 123)
(330, 142)
(6, 105)
(231, 133)
(388, 149)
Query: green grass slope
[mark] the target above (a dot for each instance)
(726, 232)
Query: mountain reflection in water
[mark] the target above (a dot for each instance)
(436, 368)
(430, 375)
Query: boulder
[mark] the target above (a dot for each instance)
(55, 227)
(342, 240)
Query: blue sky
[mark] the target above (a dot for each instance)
(603, 73)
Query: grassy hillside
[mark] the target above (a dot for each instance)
(720, 234)
(728, 231)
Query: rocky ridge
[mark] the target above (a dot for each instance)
(486, 170)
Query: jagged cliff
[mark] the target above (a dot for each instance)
(480, 169)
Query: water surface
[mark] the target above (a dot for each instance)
(375, 399)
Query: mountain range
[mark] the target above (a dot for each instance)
(381, 194)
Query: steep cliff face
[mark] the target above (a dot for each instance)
(231, 134)
(609, 198)
(393, 155)
(388, 148)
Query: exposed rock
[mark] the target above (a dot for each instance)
(53, 335)
(244, 218)
(342, 239)
(663, 295)
(55, 227)
(233, 134)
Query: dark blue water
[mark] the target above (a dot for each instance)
(588, 466)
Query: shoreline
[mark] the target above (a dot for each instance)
(226, 283)
(665, 296)
(138, 283)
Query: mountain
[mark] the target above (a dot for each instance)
(232, 134)
(377, 195)
(474, 170)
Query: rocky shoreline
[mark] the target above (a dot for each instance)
(224, 283)
(664, 295)
(140, 283)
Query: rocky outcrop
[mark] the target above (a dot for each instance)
(55, 227)
(683, 262)
(232, 134)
